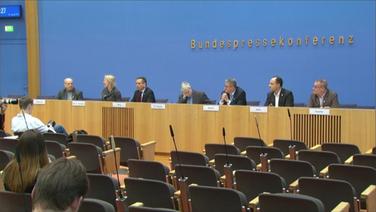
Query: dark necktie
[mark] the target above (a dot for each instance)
(139, 96)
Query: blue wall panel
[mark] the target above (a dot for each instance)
(86, 40)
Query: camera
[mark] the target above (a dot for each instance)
(9, 101)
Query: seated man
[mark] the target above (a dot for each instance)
(143, 93)
(232, 94)
(190, 96)
(60, 186)
(279, 96)
(69, 92)
(321, 96)
(25, 121)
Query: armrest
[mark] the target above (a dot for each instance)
(349, 160)
(258, 167)
(324, 173)
(294, 185)
(287, 157)
(71, 157)
(270, 145)
(212, 162)
(253, 204)
(342, 207)
(108, 159)
(137, 204)
(369, 195)
(316, 147)
(369, 151)
(148, 150)
(243, 152)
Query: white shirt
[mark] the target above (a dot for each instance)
(19, 123)
(276, 96)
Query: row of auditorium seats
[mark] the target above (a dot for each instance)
(199, 176)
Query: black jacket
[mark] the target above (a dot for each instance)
(286, 99)
(239, 97)
(147, 97)
(76, 94)
(197, 98)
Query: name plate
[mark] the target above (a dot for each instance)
(210, 107)
(158, 106)
(39, 101)
(78, 103)
(119, 104)
(260, 109)
(319, 111)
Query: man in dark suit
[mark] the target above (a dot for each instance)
(278, 96)
(69, 92)
(143, 93)
(321, 96)
(190, 96)
(232, 94)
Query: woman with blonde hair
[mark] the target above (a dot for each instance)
(110, 92)
(30, 157)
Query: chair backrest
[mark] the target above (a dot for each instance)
(59, 137)
(344, 151)
(12, 201)
(253, 183)
(243, 142)
(253, 152)
(5, 158)
(319, 159)
(237, 162)
(284, 145)
(327, 190)
(253, 103)
(291, 170)
(360, 177)
(88, 154)
(152, 193)
(212, 149)
(188, 158)
(290, 202)
(129, 149)
(365, 160)
(91, 139)
(206, 198)
(200, 175)
(55, 148)
(8, 144)
(102, 187)
(149, 209)
(153, 170)
(89, 204)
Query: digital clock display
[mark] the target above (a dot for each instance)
(10, 11)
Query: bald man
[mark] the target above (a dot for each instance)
(69, 92)
(321, 95)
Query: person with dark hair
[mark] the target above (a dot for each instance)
(25, 121)
(69, 92)
(321, 95)
(279, 96)
(61, 186)
(143, 93)
(110, 91)
(30, 157)
(232, 94)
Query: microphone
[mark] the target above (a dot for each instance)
(176, 150)
(289, 114)
(224, 141)
(257, 126)
(113, 146)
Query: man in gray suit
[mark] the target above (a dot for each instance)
(190, 96)
(69, 92)
(322, 96)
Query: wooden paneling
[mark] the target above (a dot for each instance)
(194, 127)
(117, 121)
(32, 43)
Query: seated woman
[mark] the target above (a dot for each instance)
(30, 157)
